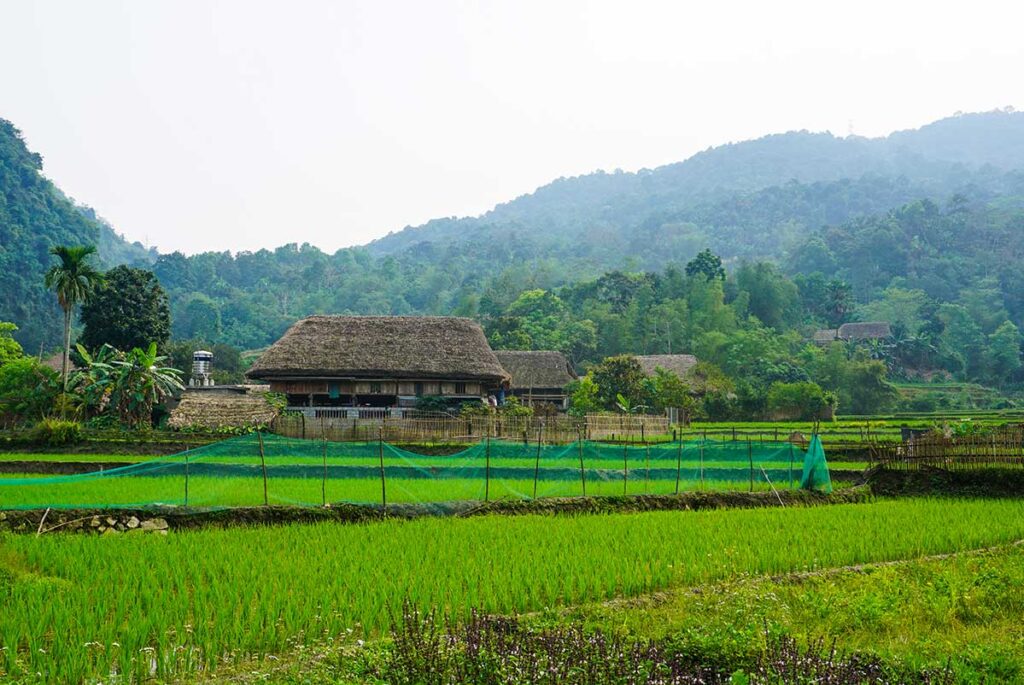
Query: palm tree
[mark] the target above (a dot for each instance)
(74, 280)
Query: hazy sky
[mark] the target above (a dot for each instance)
(199, 125)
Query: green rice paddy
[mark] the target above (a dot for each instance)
(86, 609)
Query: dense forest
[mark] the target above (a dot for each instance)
(35, 216)
(921, 229)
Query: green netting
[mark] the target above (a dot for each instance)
(268, 469)
(815, 474)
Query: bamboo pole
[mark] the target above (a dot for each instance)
(263, 462)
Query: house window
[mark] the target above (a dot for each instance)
(375, 388)
(460, 388)
(419, 390)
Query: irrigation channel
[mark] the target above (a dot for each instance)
(269, 469)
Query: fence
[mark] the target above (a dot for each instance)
(1004, 448)
(552, 429)
(263, 469)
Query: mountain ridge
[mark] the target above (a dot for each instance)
(778, 158)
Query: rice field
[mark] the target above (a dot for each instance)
(36, 492)
(85, 608)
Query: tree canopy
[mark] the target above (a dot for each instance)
(128, 310)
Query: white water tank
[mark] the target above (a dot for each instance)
(202, 369)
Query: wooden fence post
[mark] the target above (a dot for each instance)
(625, 467)
(583, 475)
(647, 475)
(536, 468)
(679, 462)
(790, 466)
(750, 456)
(702, 466)
(186, 477)
(383, 483)
(323, 440)
(487, 471)
(263, 462)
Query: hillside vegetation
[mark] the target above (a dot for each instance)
(35, 216)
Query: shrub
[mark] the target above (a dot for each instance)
(804, 401)
(56, 432)
(432, 403)
(514, 407)
(27, 390)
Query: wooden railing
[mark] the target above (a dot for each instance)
(554, 429)
(1003, 448)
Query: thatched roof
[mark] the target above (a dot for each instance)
(865, 330)
(381, 346)
(536, 369)
(826, 335)
(210, 409)
(56, 362)
(679, 364)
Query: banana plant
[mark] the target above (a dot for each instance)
(93, 381)
(627, 407)
(141, 381)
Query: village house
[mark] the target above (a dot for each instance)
(538, 377)
(859, 331)
(355, 366)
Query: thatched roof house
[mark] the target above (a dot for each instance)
(537, 376)
(379, 361)
(222, 408)
(854, 332)
(865, 330)
(679, 364)
(825, 336)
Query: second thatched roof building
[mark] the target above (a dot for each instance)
(380, 361)
(538, 376)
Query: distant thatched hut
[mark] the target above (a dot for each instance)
(858, 331)
(538, 377)
(379, 361)
(679, 364)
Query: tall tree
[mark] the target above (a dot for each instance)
(706, 264)
(74, 281)
(9, 347)
(128, 310)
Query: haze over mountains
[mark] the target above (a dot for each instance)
(760, 199)
(762, 184)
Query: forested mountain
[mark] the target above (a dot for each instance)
(35, 216)
(599, 215)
